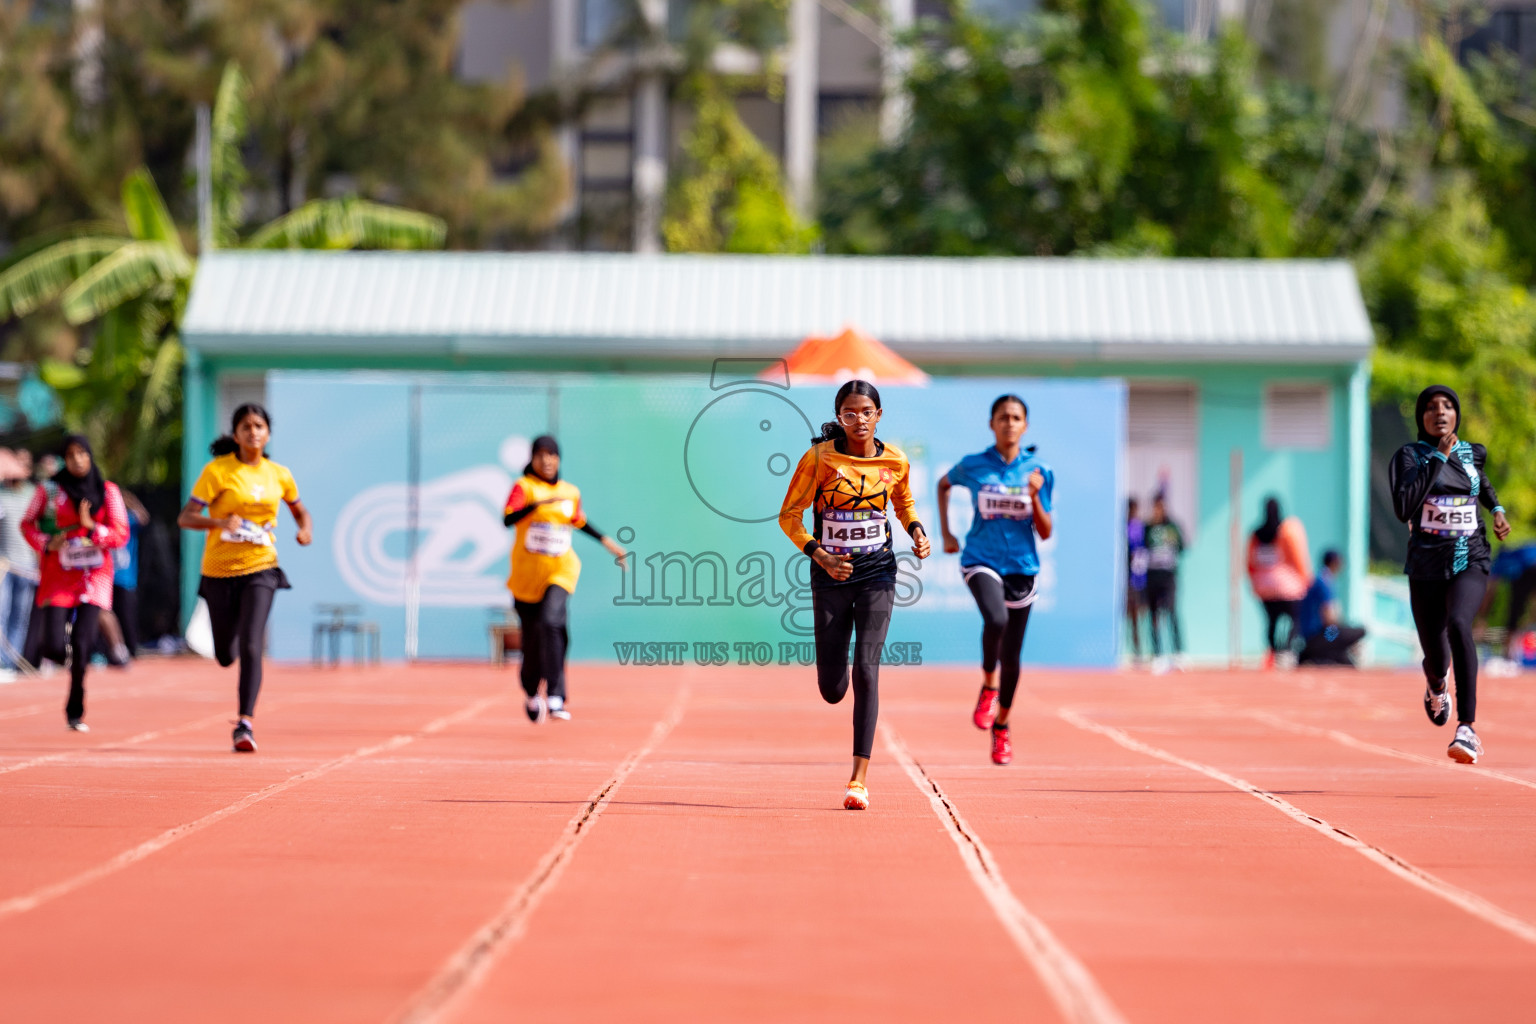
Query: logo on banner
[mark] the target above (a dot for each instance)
(462, 546)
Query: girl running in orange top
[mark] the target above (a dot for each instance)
(543, 509)
(74, 521)
(236, 500)
(850, 479)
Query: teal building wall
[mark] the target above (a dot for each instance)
(1326, 488)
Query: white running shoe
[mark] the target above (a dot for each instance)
(856, 797)
(557, 709)
(76, 725)
(535, 709)
(1466, 748)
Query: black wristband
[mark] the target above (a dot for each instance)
(810, 548)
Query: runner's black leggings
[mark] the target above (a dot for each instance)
(545, 639)
(48, 638)
(1274, 611)
(1002, 633)
(1443, 611)
(840, 613)
(238, 610)
(1163, 600)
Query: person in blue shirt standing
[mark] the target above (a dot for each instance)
(1326, 638)
(1010, 504)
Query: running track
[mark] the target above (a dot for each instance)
(406, 847)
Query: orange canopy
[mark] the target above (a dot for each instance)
(852, 354)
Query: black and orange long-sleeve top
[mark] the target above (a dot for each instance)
(849, 497)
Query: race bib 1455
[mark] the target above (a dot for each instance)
(1449, 515)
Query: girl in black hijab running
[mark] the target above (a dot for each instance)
(1437, 485)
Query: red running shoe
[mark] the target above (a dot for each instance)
(986, 709)
(1002, 745)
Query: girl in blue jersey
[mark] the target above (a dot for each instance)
(1010, 504)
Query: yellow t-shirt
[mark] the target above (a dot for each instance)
(229, 487)
(541, 548)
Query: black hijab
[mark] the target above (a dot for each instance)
(542, 443)
(1423, 404)
(90, 487)
(1270, 528)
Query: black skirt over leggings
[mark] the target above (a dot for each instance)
(545, 639)
(843, 613)
(49, 634)
(1443, 611)
(238, 607)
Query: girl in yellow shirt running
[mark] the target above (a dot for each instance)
(236, 500)
(543, 509)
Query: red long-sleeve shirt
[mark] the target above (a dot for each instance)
(70, 587)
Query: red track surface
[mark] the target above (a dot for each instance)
(406, 846)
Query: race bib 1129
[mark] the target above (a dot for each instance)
(855, 532)
(995, 502)
(1449, 515)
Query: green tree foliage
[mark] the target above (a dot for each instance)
(131, 288)
(728, 196)
(1082, 130)
(347, 97)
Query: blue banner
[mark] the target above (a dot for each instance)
(687, 472)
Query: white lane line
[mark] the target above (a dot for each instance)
(47, 893)
(1076, 994)
(468, 966)
(1433, 884)
(1345, 739)
(101, 693)
(143, 737)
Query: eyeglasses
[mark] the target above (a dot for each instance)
(851, 417)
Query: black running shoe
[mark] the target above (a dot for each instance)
(245, 742)
(1438, 705)
(535, 708)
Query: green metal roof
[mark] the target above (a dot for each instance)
(690, 306)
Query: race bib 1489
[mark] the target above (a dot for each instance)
(857, 532)
(1449, 515)
(996, 502)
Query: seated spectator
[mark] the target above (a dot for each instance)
(1326, 639)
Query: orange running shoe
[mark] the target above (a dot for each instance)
(856, 797)
(1002, 745)
(986, 708)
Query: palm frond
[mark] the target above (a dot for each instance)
(35, 244)
(42, 277)
(227, 170)
(144, 209)
(160, 385)
(351, 224)
(126, 274)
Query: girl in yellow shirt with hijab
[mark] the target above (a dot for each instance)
(543, 510)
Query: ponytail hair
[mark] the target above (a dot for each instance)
(225, 444)
(832, 430)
